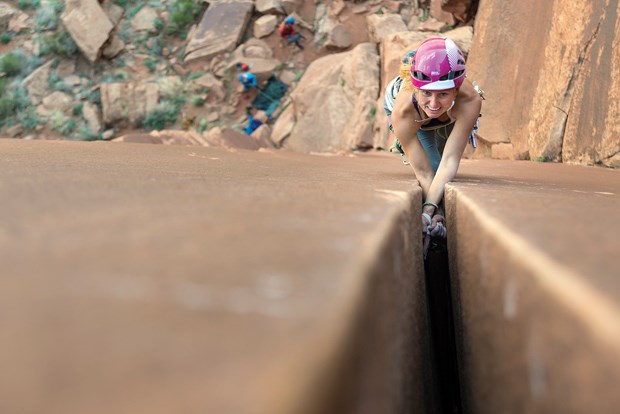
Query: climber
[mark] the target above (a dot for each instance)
(246, 78)
(431, 91)
(287, 31)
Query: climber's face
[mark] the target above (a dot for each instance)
(436, 103)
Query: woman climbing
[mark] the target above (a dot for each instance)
(433, 113)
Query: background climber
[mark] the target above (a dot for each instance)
(246, 78)
(287, 31)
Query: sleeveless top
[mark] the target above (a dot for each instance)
(388, 104)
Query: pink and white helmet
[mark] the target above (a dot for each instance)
(438, 65)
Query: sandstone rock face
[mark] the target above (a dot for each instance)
(333, 103)
(558, 99)
(220, 29)
(127, 102)
(88, 25)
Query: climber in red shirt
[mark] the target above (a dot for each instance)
(287, 31)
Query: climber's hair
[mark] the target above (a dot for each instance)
(405, 71)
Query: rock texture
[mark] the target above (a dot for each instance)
(556, 98)
(220, 29)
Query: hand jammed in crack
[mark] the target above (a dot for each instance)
(432, 227)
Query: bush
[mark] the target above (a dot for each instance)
(28, 118)
(62, 123)
(25, 4)
(86, 134)
(11, 64)
(6, 37)
(183, 13)
(47, 16)
(12, 102)
(150, 64)
(202, 125)
(60, 43)
(17, 63)
(197, 100)
(166, 112)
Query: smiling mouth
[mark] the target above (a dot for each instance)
(433, 109)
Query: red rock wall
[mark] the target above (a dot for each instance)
(550, 70)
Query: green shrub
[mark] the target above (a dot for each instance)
(202, 125)
(77, 109)
(61, 44)
(157, 46)
(193, 76)
(28, 118)
(150, 64)
(134, 10)
(12, 101)
(197, 100)
(47, 16)
(6, 37)
(25, 4)
(61, 123)
(86, 134)
(11, 64)
(17, 63)
(183, 13)
(165, 113)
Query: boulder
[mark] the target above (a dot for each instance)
(380, 25)
(265, 25)
(127, 102)
(269, 6)
(332, 104)
(92, 115)
(291, 6)
(144, 20)
(88, 25)
(437, 12)
(339, 38)
(253, 48)
(56, 101)
(261, 136)
(462, 10)
(6, 14)
(230, 139)
(38, 83)
(113, 11)
(220, 30)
